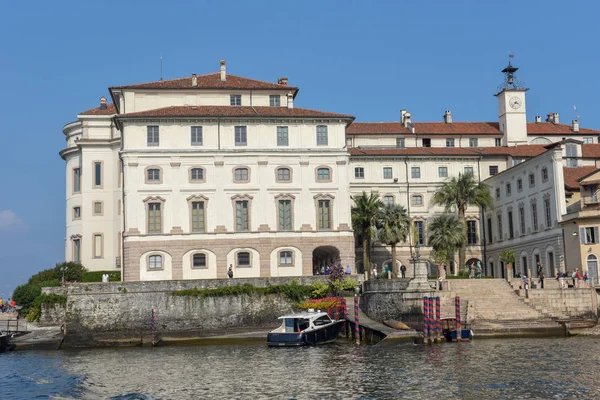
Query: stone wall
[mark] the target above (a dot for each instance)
(120, 312)
(564, 304)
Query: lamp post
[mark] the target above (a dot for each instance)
(63, 269)
(415, 257)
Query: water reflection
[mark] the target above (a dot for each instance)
(524, 368)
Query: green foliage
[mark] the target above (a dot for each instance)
(319, 289)
(46, 300)
(364, 216)
(96, 276)
(349, 284)
(507, 256)
(293, 291)
(393, 224)
(25, 295)
(446, 235)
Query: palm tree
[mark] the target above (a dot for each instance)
(393, 225)
(364, 215)
(446, 235)
(462, 193)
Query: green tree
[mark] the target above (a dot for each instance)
(446, 235)
(460, 193)
(393, 225)
(364, 216)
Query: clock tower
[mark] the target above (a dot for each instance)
(512, 117)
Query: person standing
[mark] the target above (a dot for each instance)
(539, 269)
(230, 271)
(375, 273)
(525, 282)
(542, 280)
(578, 277)
(472, 271)
(403, 270)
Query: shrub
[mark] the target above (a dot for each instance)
(96, 276)
(47, 300)
(25, 295)
(319, 289)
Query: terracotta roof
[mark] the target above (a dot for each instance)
(514, 151)
(460, 128)
(110, 109)
(234, 111)
(548, 128)
(572, 176)
(590, 150)
(210, 81)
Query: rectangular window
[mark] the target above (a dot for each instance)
(517, 161)
(323, 174)
(417, 200)
(508, 189)
(531, 180)
(198, 217)
(588, 140)
(548, 213)
(415, 172)
(534, 218)
(152, 135)
(571, 163)
(426, 143)
(497, 193)
(241, 174)
(235, 100)
(387, 172)
(97, 174)
(443, 172)
(449, 142)
(77, 250)
(243, 259)
(420, 233)
(400, 143)
(98, 246)
(493, 170)
(388, 200)
(511, 231)
(473, 142)
(498, 142)
(322, 135)
(97, 208)
(242, 222)
(324, 214)
(199, 260)
(76, 180)
(589, 235)
(499, 227)
(154, 218)
(468, 170)
(519, 184)
(471, 232)
(274, 100)
(544, 174)
(196, 136)
(285, 258)
(282, 136)
(240, 136)
(285, 215)
(489, 230)
(284, 175)
(359, 173)
(571, 153)
(522, 219)
(77, 212)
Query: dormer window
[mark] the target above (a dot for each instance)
(449, 142)
(426, 142)
(275, 100)
(235, 100)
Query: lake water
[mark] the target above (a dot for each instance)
(494, 369)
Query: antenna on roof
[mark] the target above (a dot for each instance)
(161, 66)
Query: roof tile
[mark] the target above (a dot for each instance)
(572, 175)
(110, 109)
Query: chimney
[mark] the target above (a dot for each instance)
(402, 113)
(290, 100)
(538, 119)
(407, 120)
(194, 80)
(555, 117)
(103, 103)
(575, 125)
(448, 117)
(552, 117)
(282, 81)
(223, 71)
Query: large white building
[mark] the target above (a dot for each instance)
(179, 179)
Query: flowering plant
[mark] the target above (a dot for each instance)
(323, 303)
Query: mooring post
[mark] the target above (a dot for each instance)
(152, 324)
(344, 316)
(457, 312)
(425, 318)
(438, 320)
(431, 321)
(356, 326)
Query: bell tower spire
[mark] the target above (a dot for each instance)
(512, 116)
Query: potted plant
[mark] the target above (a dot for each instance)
(508, 258)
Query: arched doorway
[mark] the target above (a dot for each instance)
(474, 261)
(325, 256)
(592, 269)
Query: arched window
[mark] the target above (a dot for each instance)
(417, 200)
(199, 260)
(155, 262)
(540, 140)
(323, 174)
(592, 269)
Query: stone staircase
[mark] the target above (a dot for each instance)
(493, 308)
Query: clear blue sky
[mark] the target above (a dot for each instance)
(369, 59)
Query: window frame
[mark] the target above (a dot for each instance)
(508, 189)
(76, 180)
(548, 213)
(150, 262)
(76, 248)
(149, 203)
(322, 135)
(95, 205)
(531, 179)
(471, 170)
(280, 257)
(419, 226)
(237, 259)
(522, 220)
(450, 142)
(472, 234)
(359, 172)
(240, 135)
(98, 174)
(201, 220)
(279, 179)
(445, 173)
(324, 214)
(153, 181)
(412, 172)
(385, 173)
(473, 142)
(191, 170)
(95, 253)
(511, 226)
(414, 202)
(498, 142)
(499, 227)
(76, 215)
(534, 218)
(274, 100)
(385, 199)
(544, 174)
(519, 185)
(195, 132)
(400, 143)
(193, 260)
(283, 136)
(329, 174)
(241, 179)
(493, 168)
(152, 136)
(235, 100)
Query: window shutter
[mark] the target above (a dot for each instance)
(596, 235)
(582, 235)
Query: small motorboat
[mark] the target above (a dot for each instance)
(451, 333)
(304, 329)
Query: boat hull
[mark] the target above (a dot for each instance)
(322, 335)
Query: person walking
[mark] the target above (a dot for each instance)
(403, 270)
(525, 282)
(585, 279)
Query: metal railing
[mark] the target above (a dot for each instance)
(13, 326)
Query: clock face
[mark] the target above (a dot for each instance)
(514, 102)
